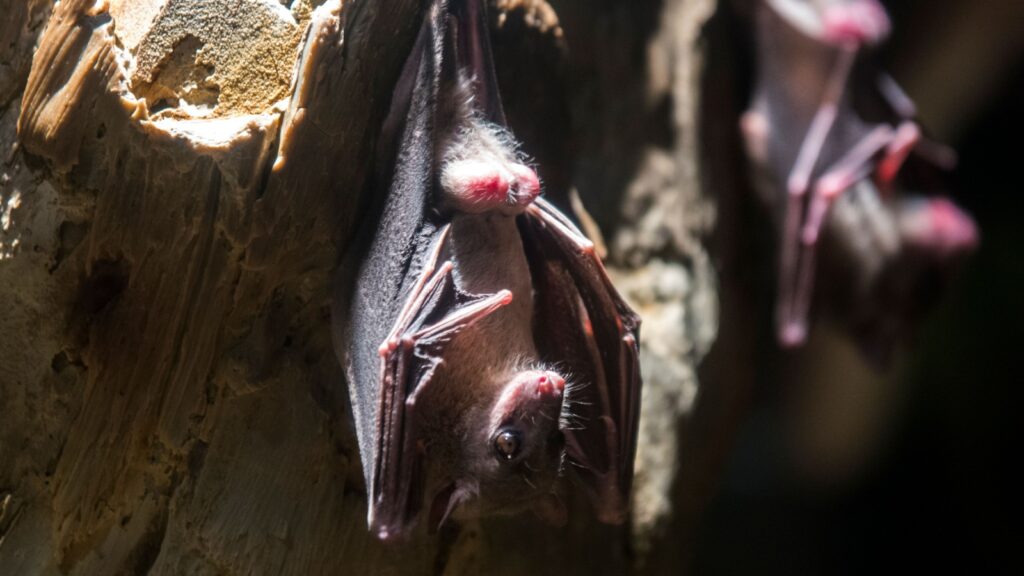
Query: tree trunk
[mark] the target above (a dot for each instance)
(179, 180)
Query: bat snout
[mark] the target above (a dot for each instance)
(549, 384)
(540, 387)
(529, 392)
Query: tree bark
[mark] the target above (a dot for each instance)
(179, 180)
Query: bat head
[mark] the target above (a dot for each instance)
(937, 227)
(883, 275)
(510, 453)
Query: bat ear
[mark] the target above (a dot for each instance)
(595, 338)
(599, 469)
(551, 510)
(447, 500)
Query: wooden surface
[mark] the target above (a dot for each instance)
(170, 399)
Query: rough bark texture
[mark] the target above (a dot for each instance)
(178, 180)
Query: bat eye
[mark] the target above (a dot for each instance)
(507, 444)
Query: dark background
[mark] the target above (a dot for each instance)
(924, 480)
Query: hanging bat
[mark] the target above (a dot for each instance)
(824, 122)
(486, 351)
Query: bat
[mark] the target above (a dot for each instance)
(487, 354)
(823, 123)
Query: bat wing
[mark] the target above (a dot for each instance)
(394, 304)
(583, 326)
(797, 74)
(390, 251)
(433, 313)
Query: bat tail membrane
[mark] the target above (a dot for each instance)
(597, 343)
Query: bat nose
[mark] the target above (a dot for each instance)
(549, 383)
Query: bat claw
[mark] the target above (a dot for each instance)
(388, 346)
(504, 298)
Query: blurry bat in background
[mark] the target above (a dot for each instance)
(833, 136)
(486, 351)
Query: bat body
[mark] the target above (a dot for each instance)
(487, 354)
(824, 123)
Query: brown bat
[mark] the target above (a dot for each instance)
(824, 122)
(486, 351)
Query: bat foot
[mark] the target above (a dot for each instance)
(476, 186)
(857, 22)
